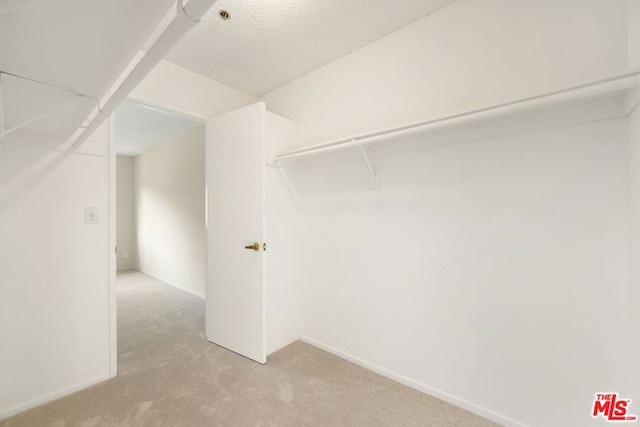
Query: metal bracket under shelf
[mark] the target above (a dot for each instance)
(273, 162)
(370, 156)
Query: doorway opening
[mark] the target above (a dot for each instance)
(203, 203)
(160, 201)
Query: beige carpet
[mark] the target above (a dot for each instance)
(169, 375)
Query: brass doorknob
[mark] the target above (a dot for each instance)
(255, 246)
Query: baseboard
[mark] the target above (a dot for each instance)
(456, 401)
(283, 345)
(175, 285)
(52, 396)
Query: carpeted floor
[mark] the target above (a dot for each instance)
(169, 375)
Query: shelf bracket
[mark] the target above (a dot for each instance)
(273, 162)
(370, 156)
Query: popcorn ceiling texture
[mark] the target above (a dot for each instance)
(266, 44)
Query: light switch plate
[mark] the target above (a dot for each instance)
(91, 215)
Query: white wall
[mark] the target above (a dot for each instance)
(634, 287)
(125, 215)
(170, 207)
(633, 25)
(283, 243)
(54, 275)
(470, 54)
(178, 89)
(480, 272)
(42, 197)
(467, 55)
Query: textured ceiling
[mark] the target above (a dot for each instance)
(138, 127)
(266, 44)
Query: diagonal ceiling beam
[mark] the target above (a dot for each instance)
(186, 18)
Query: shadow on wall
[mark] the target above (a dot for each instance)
(17, 183)
(169, 193)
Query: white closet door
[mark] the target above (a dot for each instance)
(235, 169)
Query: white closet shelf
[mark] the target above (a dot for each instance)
(574, 94)
(31, 102)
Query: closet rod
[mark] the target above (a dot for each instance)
(187, 17)
(608, 85)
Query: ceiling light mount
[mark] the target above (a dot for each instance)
(224, 15)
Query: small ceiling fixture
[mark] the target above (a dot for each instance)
(224, 15)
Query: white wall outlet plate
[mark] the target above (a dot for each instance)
(91, 215)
